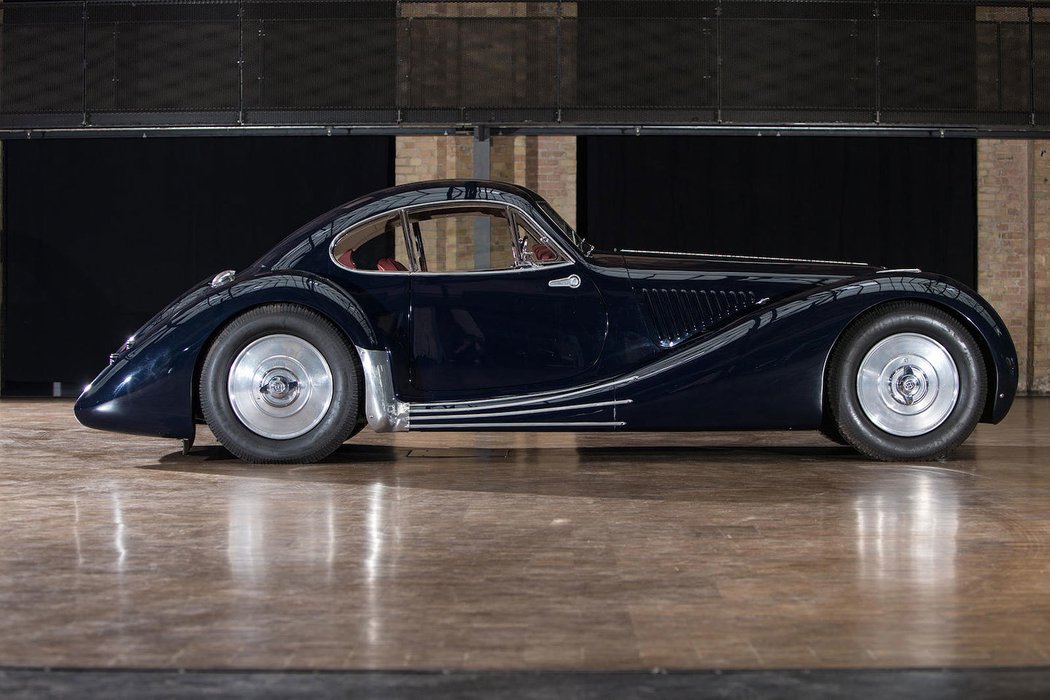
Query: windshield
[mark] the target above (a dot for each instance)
(563, 226)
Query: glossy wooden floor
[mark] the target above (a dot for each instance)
(522, 551)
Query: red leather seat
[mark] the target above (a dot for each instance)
(543, 253)
(347, 259)
(390, 265)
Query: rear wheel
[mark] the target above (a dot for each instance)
(280, 385)
(906, 382)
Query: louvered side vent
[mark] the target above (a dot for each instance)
(680, 313)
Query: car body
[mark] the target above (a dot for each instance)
(471, 305)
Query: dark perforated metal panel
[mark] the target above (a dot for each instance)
(484, 68)
(811, 64)
(320, 62)
(1041, 46)
(42, 71)
(161, 58)
(590, 62)
(656, 59)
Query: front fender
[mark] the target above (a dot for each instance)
(148, 388)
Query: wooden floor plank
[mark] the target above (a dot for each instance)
(522, 551)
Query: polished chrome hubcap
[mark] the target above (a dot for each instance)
(280, 386)
(908, 384)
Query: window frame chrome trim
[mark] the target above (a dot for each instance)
(391, 213)
(403, 213)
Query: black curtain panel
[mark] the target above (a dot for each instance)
(896, 202)
(100, 234)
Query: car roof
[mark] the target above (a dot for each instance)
(441, 190)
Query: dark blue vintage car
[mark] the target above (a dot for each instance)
(464, 305)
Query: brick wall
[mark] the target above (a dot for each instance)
(544, 164)
(1013, 215)
(1039, 269)
(1003, 236)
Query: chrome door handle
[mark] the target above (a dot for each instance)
(570, 281)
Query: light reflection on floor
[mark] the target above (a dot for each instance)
(522, 551)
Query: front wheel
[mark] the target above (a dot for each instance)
(281, 385)
(906, 382)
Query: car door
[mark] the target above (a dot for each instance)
(498, 306)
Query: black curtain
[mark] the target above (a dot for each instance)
(898, 202)
(101, 233)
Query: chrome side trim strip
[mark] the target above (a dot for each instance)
(547, 409)
(516, 426)
(384, 412)
(741, 258)
(516, 401)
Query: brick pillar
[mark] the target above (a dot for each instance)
(1013, 251)
(545, 164)
(1040, 270)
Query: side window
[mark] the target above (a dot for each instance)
(377, 245)
(535, 249)
(459, 239)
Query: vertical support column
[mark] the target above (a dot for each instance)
(1039, 265)
(3, 243)
(240, 63)
(1005, 254)
(878, 63)
(482, 170)
(85, 118)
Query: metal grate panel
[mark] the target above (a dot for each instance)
(590, 62)
(1041, 45)
(645, 57)
(42, 52)
(141, 61)
(329, 58)
(483, 66)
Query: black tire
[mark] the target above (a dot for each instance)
(831, 432)
(269, 426)
(911, 342)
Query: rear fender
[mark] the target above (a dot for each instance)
(767, 369)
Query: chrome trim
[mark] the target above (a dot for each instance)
(910, 270)
(409, 246)
(468, 203)
(363, 222)
(385, 413)
(280, 386)
(529, 411)
(908, 384)
(521, 400)
(515, 243)
(572, 281)
(515, 426)
(742, 258)
(223, 278)
(402, 212)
